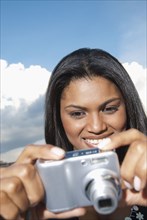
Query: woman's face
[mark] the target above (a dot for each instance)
(92, 110)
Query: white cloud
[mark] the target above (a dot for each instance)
(22, 104)
(138, 75)
(19, 83)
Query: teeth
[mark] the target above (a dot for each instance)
(94, 141)
(97, 141)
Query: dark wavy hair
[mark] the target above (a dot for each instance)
(85, 63)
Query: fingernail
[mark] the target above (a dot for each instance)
(137, 183)
(57, 151)
(127, 184)
(104, 142)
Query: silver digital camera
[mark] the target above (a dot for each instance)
(83, 178)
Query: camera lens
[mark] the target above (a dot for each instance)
(103, 194)
(105, 203)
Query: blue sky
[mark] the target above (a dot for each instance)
(42, 32)
(36, 34)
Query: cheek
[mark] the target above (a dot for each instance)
(72, 129)
(69, 130)
(119, 122)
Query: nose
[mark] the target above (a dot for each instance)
(96, 124)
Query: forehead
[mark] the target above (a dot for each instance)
(88, 88)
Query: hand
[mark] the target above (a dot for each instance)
(21, 186)
(134, 166)
(40, 212)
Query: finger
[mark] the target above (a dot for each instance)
(2, 171)
(32, 184)
(30, 179)
(8, 210)
(68, 214)
(134, 170)
(33, 152)
(141, 171)
(123, 138)
(131, 197)
(15, 189)
(43, 213)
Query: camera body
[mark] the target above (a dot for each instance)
(84, 178)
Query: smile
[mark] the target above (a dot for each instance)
(93, 141)
(98, 142)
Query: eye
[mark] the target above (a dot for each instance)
(110, 109)
(77, 114)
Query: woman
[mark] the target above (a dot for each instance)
(90, 102)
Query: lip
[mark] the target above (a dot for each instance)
(98, 137)
(89, 145)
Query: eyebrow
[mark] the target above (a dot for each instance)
(101, 106)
